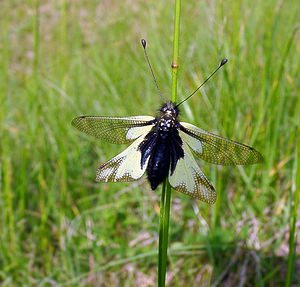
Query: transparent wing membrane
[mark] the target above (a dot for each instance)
(116, 130)
(218, 150)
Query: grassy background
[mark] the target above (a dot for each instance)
(60, 59)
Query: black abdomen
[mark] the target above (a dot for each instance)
(159, 162)
(163, 147)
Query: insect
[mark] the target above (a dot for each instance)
(163, 147)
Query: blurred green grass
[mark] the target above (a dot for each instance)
(61, 59)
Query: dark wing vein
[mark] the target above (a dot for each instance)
(218, 150)
(111, 129)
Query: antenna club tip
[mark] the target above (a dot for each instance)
(144, 43)
(223, 62)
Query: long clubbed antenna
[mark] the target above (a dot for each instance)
(223, 62)
(144, 44)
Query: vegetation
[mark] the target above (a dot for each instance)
(60, 59)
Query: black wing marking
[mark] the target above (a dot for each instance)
(218, 150)
(188, 178)
(126, 166)
(118, 130)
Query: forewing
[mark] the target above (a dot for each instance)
(218, 150)
(189, 179)
(114, 129)
(126, 166)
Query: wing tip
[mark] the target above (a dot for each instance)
(258, 158)
(76, 120)
(73, 122)
(211, 199)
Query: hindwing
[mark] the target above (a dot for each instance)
(126, 166)
(188, 178)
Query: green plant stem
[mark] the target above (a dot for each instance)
(175, 50)
(293, 215)
(165, 202)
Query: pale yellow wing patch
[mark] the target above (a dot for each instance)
(192, 142)
(136, 132)
(189, 179)
(126, 166)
